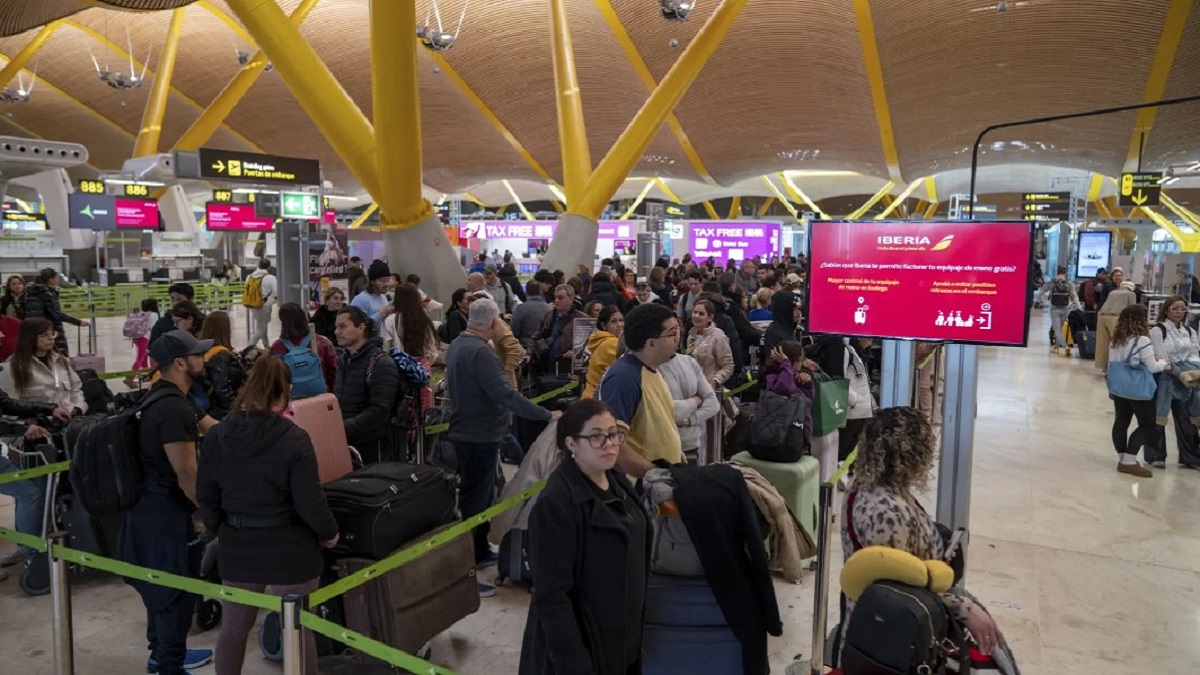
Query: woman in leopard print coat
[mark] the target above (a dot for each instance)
(895, 457)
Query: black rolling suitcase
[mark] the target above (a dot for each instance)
(1086, 341)
(381, 506)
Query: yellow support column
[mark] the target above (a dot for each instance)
(798, 195)
(898, 200)
(316, 89)
(638, 202)
(862, 210)
(214, 115)
(1188, 217)
(931, 211)
(156, 103)
(572, 136)
(735, 209)
(18, 61)
(782, 199)
(766, 205)
(520, 204)
(362, 218)
(711, 210)
(633, 142)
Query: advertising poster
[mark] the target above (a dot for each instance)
(732, 240)
(328, 258)
(137, 214)
(235, 218)
(541, 229)
(1095, 251)
(579, 354)
(957, 282)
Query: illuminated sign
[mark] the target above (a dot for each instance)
(222, 196)
(1046, 206)
(255, 168)
(136, 190)
(136, 214)
(300, 206)
(235, 217)
(92, 187)
(733, 240)
(1141, 189)
(91, 212)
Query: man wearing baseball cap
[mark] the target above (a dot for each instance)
(158, 531)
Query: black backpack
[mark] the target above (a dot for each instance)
(1060, 293)
(777, 429)
(106, 471)
(897, 629)
(95, 391)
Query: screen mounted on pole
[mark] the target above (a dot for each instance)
(1095, 251)
(947, 281)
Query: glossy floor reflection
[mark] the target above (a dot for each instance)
(1088, 571)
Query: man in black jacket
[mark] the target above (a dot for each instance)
(366, 386)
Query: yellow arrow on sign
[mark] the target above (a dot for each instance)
(219, 165)
(1140, 198)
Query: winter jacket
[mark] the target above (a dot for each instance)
(747, 333)
(566, 341)
(509, 351)
(13, 305)
(686, 381)
(862, 402)
(788, 542)
(527, 317)
(482, 398)
(258, 489)
(455, 323)
(41, 301)
(603, 347)
(324, 321)
(605, 292)
(587, 608)
(540, 461)
(508, 274)
(56, 384)
(366, 392)
(326, 353)
(710, 347)
(783, 328)
(503, 296)
(220, 389)
(725, 322)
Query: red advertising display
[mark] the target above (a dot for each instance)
(224, 217)
(136, 214)
(955, 282)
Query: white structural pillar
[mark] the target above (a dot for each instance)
(898, 362)
(424, 250)
(176, 211)
(54, 186)
(574, 244)
(958, 435)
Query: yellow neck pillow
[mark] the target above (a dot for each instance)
(882, 563)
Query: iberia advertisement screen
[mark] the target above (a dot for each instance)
(946, 281)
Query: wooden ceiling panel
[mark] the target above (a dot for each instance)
(653, 34)
(950, 71)
(17, 16)
(1175, 138)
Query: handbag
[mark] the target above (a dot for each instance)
(1130, 380)
(831, 402)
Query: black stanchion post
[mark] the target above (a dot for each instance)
(60, 593)
(292, 651)
(821, 596)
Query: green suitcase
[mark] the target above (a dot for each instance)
(799, 483)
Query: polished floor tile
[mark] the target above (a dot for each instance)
(1088, 571)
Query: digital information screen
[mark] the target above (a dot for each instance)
(957, 282)
(1095, 251)
(88, 211)
(235, 218)
(733, 240)
(136, 214)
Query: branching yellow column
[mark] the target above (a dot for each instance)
(214, 115)
(16, 63)
(156, 104)
(572, 136)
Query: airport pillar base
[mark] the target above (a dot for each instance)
(574, 244)
(424, 250)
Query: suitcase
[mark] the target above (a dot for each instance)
(321, 417)
(513, 564)
(685, 630)
(411, 604)
(89, 361)
(799, 483)
(381, 506)
(1087, 344)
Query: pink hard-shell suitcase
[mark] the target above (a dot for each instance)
(321, 417)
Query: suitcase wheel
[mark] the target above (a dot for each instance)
(270, 637)
(208, 614)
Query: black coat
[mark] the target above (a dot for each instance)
(41, 301)
(508, 275)
(218, 369)
(722, 522)
(578, 618)
(455, 323)
(782, 328)
(366, 405)
(323, 321)
(263, 467)
(605, 292)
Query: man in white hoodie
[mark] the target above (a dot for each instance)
(260, 317)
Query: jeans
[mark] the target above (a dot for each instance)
(1057, 316)
(1171, 389)
(477, 491)
(1185, 437)
(30, 497)
(1146, 431)
(237, 621)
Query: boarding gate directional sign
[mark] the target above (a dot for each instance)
(250, 167)
(1141, 189)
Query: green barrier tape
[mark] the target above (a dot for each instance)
(845, 466)
(734, 392)
(23, 474)
(36, 543)
(929, 357)
(120, 375)
(435, 429)
(370, 647)
(260, 600)
(410, 553)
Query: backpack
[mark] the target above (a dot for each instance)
(136, 325)
(96, 393)
(411, 370)
(237, 369)
(1060, 293)
(897, 629)
(106, 473)
(302, 360)
(671, 549)
(252, 295)
(777, 429)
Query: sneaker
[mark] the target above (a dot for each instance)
(486, 590)
(1135, 470)
(1159, 464)
(16, 557)
(195, 658)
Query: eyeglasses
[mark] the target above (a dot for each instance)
(597, 441)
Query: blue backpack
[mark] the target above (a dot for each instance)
(302, 360)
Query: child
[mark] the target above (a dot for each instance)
(137, 326)
(789, 372)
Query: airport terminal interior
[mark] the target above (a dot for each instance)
(977, 194)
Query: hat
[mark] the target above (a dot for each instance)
(792, 278)
(378, 270)
(176, 345)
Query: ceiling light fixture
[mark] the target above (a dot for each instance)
(438, 39)
(676, 10)
(21, 92)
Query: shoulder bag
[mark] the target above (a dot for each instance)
(1131, 379)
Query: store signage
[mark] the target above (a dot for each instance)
(235, 218)
(136, 214)
(1141, 189)
(300, 206)
(222, 196)
(92, 187)
(732, 240)
(91, 211)
(948, 281)
(255, 168)
(539, 229)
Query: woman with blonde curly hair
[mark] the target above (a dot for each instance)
(895, 455)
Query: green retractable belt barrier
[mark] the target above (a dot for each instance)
(370, 647)
(34, 542)
(36, 472)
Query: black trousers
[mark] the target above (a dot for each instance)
(1186, 438)
(1146, 432)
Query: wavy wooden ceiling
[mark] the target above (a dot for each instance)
(787, 89)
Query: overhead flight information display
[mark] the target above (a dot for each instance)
(957, 282)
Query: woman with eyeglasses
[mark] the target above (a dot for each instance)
(589, 547)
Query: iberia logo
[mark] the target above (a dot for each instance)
(944, 243)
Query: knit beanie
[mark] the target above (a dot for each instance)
(378, 270)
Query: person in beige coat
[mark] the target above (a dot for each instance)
(1121, 297)
(709, 345)
(37, 373)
